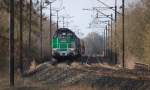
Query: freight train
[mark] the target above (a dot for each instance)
(66, 45)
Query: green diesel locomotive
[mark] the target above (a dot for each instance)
(65, 44)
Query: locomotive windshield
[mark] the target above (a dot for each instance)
(63, 35)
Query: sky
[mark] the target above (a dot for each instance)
(80, 19)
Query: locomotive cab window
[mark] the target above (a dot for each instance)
(70, 35)
(63, 35)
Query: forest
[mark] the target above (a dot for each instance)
(137, 32)
(35, 34)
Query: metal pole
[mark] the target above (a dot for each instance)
(11, 44)
(41, 28)
(57, 19)
(111, 36)
(115, 41)
(63, 22)
(50, 30)
(67, 24)
(21, 37)
(106, 40)
(123, 34)
(30, 25)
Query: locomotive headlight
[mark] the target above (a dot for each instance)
(54, 50)
(72, 49)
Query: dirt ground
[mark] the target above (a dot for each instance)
(81, 77)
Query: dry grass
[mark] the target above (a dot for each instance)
(130, 62)
(79, 87)
(62, 65)
(47, 88)
(105, 65)
(76, 65)
(27, 88)
(19, 83)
